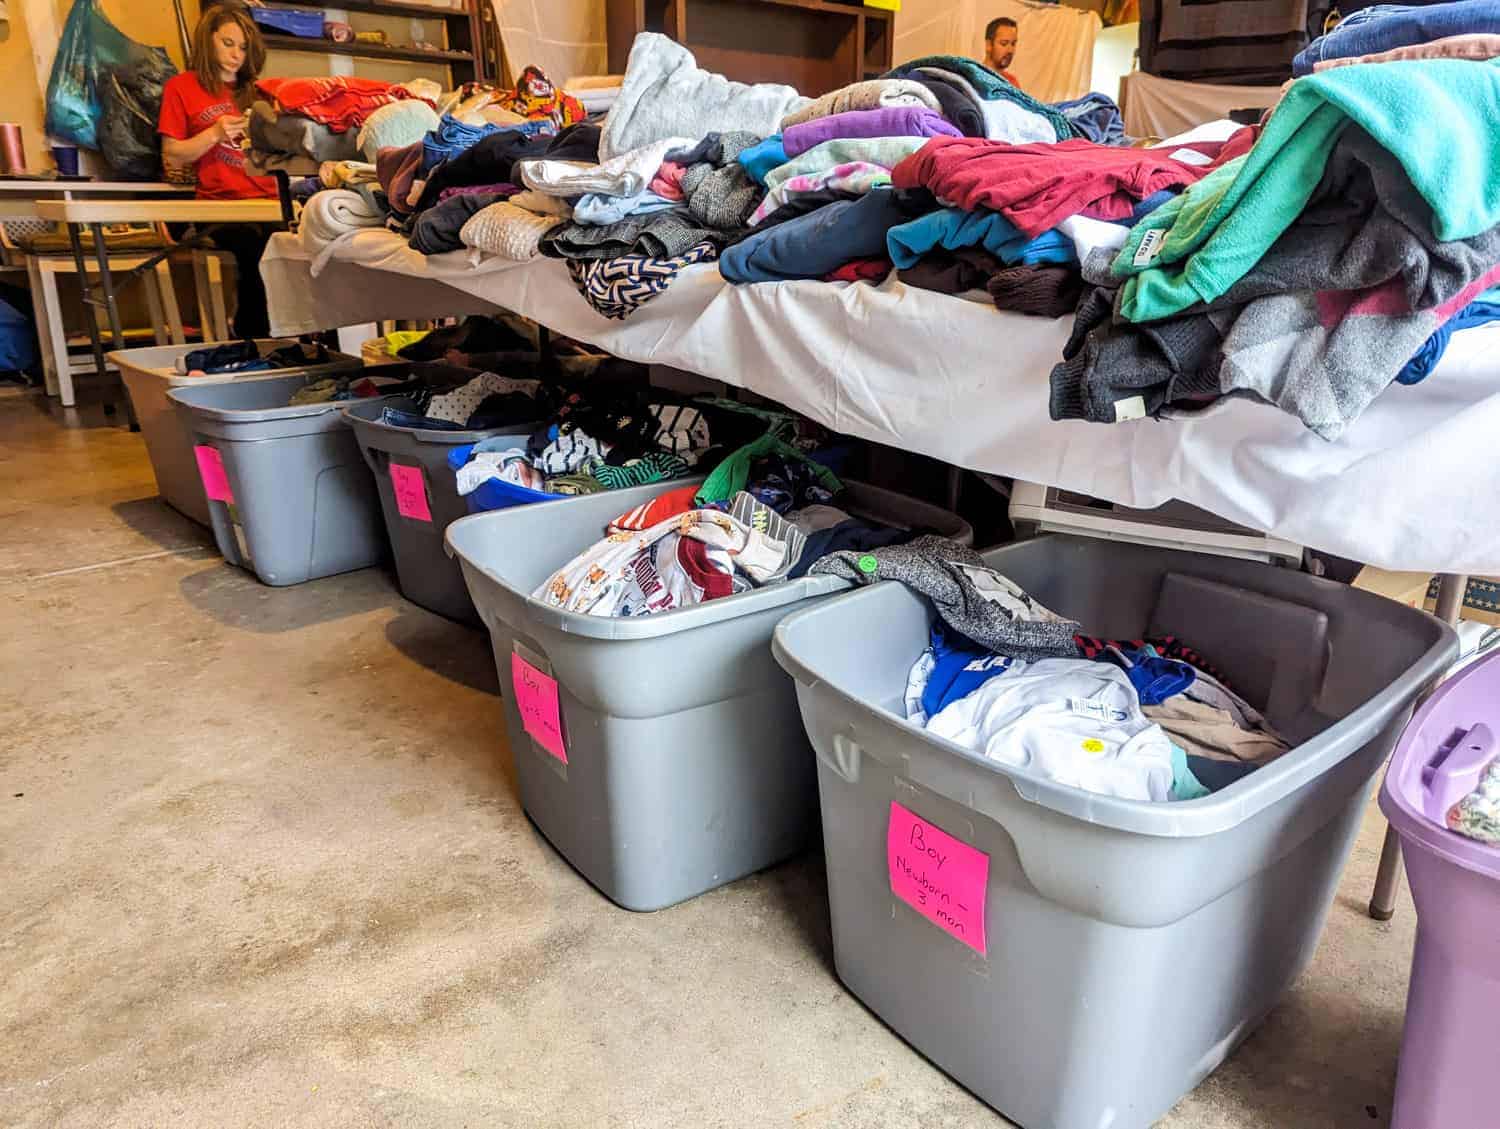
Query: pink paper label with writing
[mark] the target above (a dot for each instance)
(941, 878)
(211, 470)
(411, 492)
(541, 713)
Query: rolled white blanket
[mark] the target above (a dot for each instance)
(330, 215)
(335, 211)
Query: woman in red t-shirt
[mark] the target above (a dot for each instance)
(202, 122)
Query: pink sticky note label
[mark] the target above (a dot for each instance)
(541, 713)
(411, 492)
(941, 878)
(211, 470)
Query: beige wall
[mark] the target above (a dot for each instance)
(563, 37)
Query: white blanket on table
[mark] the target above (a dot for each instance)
(1411, 485)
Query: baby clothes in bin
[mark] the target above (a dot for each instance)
(1139, 719)
(1076, 722)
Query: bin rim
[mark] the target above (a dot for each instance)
(357, 415)
(1410, 822)
(1214, 814)
(639, 627)
(260, 415)
(680, 619)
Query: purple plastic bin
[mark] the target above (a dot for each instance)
(1448, 1047)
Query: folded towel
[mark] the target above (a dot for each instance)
(871, 95)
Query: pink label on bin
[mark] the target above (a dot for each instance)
(941, 878)
(411, 492)
(541, 713)
(211, 470)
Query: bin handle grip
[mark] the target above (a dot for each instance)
(1447, 780)
(843, 758)
(372, 459)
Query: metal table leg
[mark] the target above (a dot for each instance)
(1450, 602)
(90, 317)
(111, 307)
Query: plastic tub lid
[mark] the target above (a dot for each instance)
(1440, 758)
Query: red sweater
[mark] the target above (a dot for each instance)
(1038, 186)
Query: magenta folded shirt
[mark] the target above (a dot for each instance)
(888, 121)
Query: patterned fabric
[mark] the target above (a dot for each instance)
(656, 467)
(853, 178)
(618, 287)
(535, 97)
(1477, 815)
(603, 577)
(1168, 646)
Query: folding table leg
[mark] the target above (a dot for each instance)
(1450, 603)
(113, 311)
(91, 323)
(154, 304)
(168, 290)
(50, 332)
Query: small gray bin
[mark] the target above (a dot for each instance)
(687, 766)
(1130, 946)
(150, 373)
(302, 503)
(428, 576)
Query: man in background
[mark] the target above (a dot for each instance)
(1000, 37)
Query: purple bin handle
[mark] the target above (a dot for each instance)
(1458, 775)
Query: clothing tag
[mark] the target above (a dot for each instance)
(1101, 712)
(1132, 407)
(1191, 157)
(211, 470)
(1150, 246)
(943, 879)
(411, 492)
(541, 712)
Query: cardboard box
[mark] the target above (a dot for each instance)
(1409, 588)
(1481, 600)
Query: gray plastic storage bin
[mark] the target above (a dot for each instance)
(687, 766)
(429, 502)
(149, 374)
(296, 501)
(1130, 946)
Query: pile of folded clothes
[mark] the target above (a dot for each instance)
(1334, 257)
(301, 123)
(1307, 261)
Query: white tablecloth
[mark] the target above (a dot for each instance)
(1409, 486)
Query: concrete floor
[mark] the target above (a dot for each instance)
(264, 865)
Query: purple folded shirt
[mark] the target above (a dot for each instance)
(888, 121)
(476, 189)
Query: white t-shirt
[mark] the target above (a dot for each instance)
(1074, 721)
